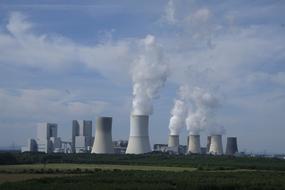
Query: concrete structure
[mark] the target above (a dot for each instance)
(56, 142)
(46, 131)
(181, 149)
(120, 146)
(231, 147)
(194, 144)
(32, 146)
(160, 147)
(103, 136)
(173, 143)
(139, 139)
(216, 146)
(45, 145)
(81, 136)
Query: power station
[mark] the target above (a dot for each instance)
(194, 146)
(139, 143)
(231, 147)
(139, 139)
(173, 144)
(103, 136)
(216, 146)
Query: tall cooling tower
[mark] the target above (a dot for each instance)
(231, 147)
(173, 141)
(216, 146)
(103, 136)
(139, 139)
(194, 146)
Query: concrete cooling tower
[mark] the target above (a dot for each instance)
(139, 139)
(173, 141)
(103, 136)
(231, 147)
(216, 146)
(194, 146)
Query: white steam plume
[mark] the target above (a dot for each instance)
(179, 113)
(149, 76)
(204, 104)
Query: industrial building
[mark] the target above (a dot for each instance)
(32, 146)
(82, 139)
(120, 146)
(46, 136)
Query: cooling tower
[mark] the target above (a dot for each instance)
(231, 147)
(194, 144)
(216, 146)
(139, 139)
(103, 136)
(208, 143)
(173, 141)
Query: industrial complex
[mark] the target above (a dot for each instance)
(83, 141)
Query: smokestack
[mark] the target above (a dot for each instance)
(231, 147)
(103, 136)
(194, 144)
(208, 143)
(216, 146)
(173, 141)
(139, 139)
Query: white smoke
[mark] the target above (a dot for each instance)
(177, 120)
(204, 105)
(149, 76)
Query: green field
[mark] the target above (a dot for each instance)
(149, 171)
(64, 167)
(146, 180)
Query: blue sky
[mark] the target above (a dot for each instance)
(64, 60)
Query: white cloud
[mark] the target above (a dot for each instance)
(46, 104)
(22, 46)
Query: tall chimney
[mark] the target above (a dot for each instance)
(194, 144)
(231, 147)
(139, 139)
(216, 146)
(103, 136)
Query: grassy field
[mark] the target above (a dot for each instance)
(22, 167)
(150, 171)
(146, 180)
(14, 177)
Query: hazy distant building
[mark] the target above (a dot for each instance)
(81, 136)
(46, 136)
(32, 146)
(120, 146)
(181, 149)
(160, 147)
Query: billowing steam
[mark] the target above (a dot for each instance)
(149, 75)
(203, 107)
(179, 113)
